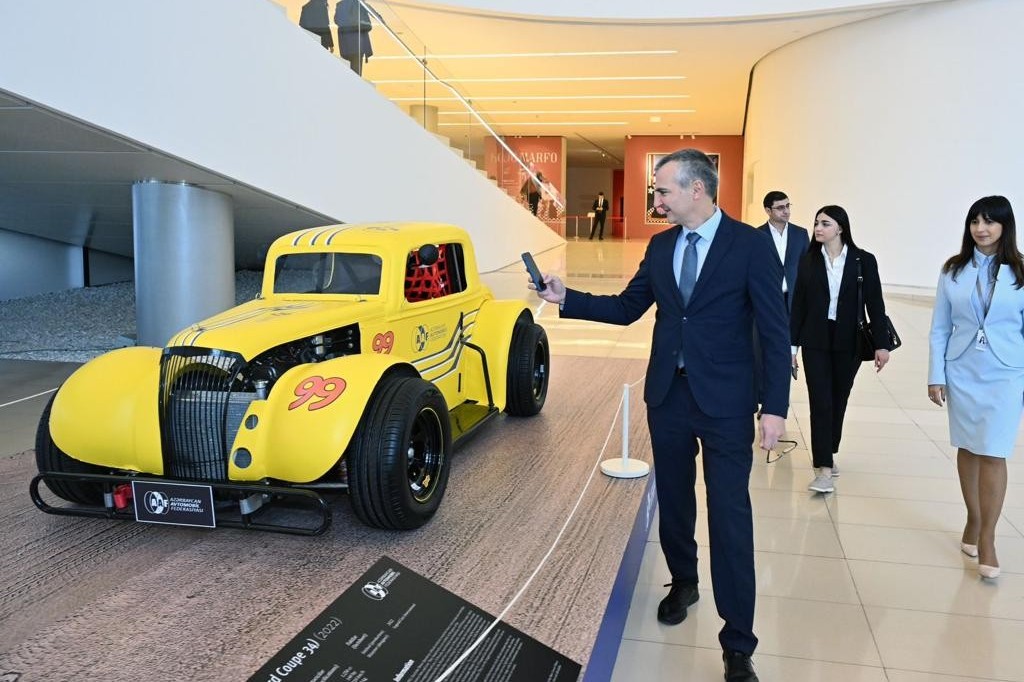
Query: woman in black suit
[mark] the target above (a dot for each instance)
(824, 325)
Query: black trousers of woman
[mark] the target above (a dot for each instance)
(829, 374)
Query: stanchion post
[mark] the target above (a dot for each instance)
(624, 467)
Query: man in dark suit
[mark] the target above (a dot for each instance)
(600, 210)
(791, 242)
(711, 277)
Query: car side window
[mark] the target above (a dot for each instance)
(428, 281)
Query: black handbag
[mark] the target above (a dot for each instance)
(865, 336)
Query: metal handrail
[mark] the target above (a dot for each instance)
(469, 107)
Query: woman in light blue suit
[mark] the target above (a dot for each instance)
(977, 363)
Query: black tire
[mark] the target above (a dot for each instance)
(50, 458)
(528, 363)
(399, 459)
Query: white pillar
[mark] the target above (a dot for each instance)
(184, 257)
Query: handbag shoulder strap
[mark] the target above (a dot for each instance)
(860, 294)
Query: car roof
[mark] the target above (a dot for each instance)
(399, 236)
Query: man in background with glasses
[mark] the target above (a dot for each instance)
(791, 242)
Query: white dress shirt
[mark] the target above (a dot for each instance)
(781, 240)
(707, 232)
(834, 270)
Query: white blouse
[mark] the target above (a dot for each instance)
(834, 270)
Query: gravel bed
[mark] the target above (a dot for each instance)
(78, 324)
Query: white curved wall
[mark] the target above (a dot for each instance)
(903, 120)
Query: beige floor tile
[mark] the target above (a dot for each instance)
(855, 481)
(796, 536)
(910, 676)
(921, 547)
(947, 644)
(803, 577)
(915, 514)
(652, 661)
(876, 415)
(864, 443)
(897, 466)
(792, 478)
(936, 416)
(647, 661)
(942, 590)
(788, 505)
(1014, 495)
(786, 627)
(794, 627)
(779, 535)
(778, 575)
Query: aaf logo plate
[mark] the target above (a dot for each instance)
(175, 504)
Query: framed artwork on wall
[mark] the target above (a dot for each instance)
(651, 217)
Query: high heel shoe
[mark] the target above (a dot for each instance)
(988, 571)
(969, 550)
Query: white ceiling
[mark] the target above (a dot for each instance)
(706, 71)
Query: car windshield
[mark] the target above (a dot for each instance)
(328, 273)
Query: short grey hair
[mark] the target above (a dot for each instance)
(692, 164)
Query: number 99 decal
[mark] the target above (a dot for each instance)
(383, 343)
(318, 392)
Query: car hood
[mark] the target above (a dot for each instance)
(253, 327)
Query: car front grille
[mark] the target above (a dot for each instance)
(199, 411)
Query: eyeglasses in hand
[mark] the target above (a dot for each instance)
(772, 456)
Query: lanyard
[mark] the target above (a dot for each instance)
(986, 301)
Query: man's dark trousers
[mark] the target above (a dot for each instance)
(675, 425)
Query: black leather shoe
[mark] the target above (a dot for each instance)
(672, 609)
(738, 667)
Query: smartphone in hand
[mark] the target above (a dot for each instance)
(534, 271)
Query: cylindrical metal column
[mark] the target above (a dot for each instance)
(425, 115)
(184, 257)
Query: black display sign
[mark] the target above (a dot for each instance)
(179, 504)
(393, 625)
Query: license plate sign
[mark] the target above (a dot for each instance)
(176, 504)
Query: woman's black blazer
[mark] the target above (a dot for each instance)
(809, 319)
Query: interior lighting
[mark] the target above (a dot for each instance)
(523, 98)
(517, 55)
(488, 112)
(544, 123)
(541, 79)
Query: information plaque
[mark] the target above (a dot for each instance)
(394, 625)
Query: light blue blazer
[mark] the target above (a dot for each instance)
(955, 325)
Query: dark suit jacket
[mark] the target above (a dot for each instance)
(734, 288)
(797, 241)
(603, 209)
(809, 319)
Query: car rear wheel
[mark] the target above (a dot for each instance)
(50, 458)
(528, 363)
(398, 463)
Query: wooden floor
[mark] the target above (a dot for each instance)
(90, 599)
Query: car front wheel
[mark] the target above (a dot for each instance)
(398, 461)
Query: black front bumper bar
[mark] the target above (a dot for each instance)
(308, 501)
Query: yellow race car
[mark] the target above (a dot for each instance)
(369, 352)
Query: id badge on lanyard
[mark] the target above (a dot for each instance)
(981, 341)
